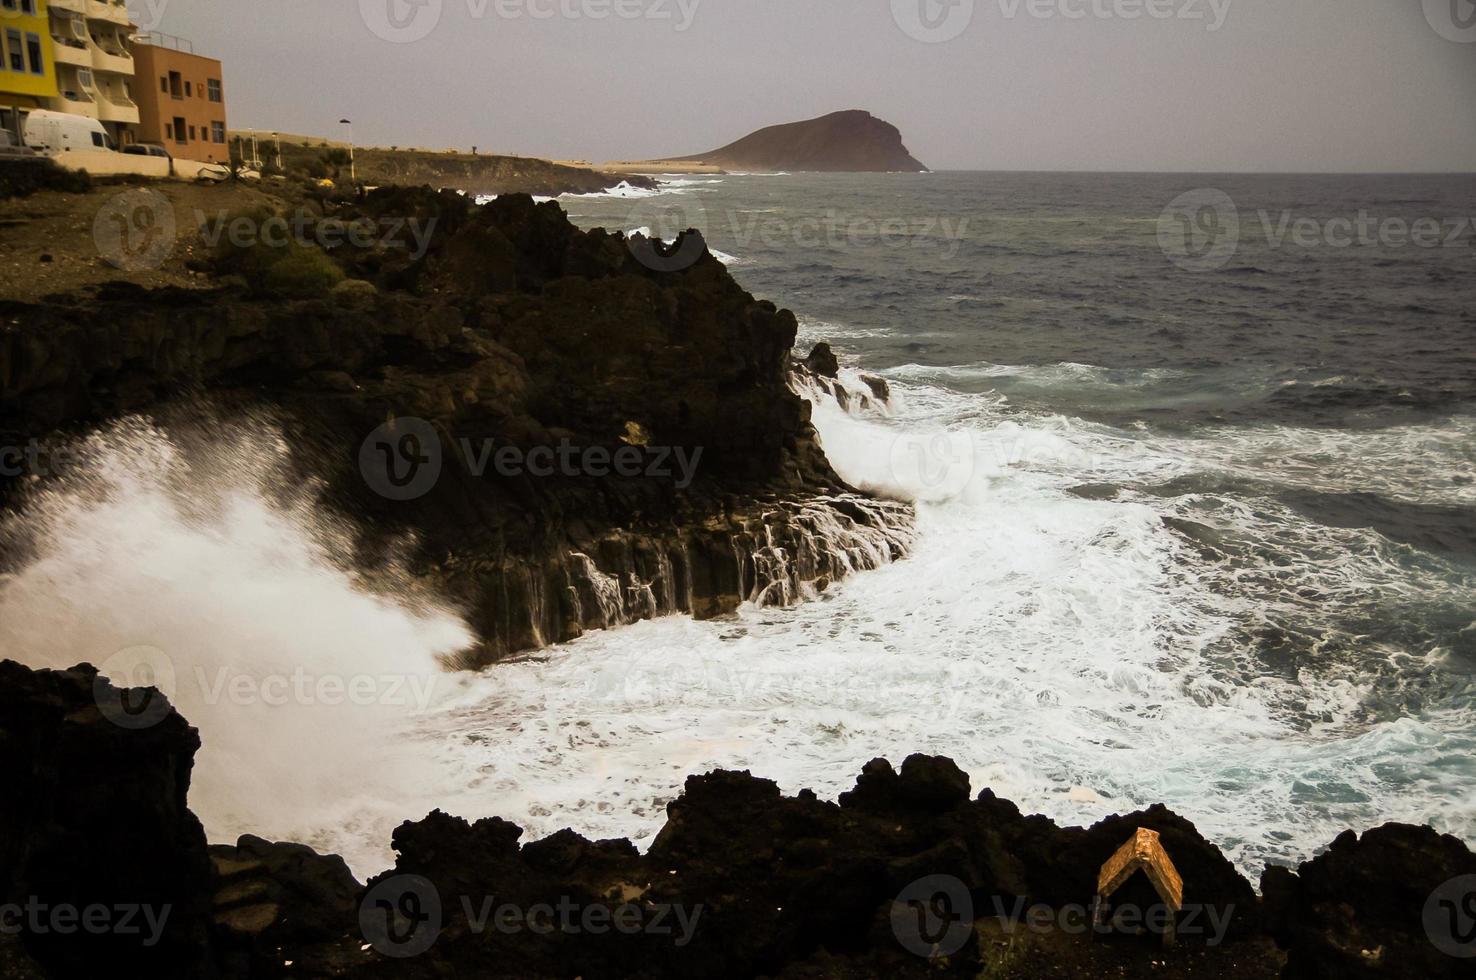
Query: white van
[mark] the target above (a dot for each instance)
(55, 133)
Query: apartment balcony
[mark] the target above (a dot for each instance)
(75, 103)
(111, 11)
(75, 6)
(117, 109)
(103, 60)
(70, 53)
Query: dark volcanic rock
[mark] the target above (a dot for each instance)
(742, 881)
(822, 361)
(850, 141)
(514, 332)
(1371, 907)
(93, 823)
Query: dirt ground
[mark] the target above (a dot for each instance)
(1021, 954)
(53, 242)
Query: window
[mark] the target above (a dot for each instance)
(215, 91)
(84, 77)
(188, 93)
(17, 51)
(179, 130)
(7, 4)
(28, 7)
(97, 140)
(217, 132)
(169, 131)
(175, 85)
(33, 48)
(163, 84)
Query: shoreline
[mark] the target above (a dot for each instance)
(750, 881)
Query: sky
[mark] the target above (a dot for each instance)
(1151, 85)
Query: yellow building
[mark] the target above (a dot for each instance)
(94, 63)
(28, 78)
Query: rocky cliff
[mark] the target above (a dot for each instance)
(576, 432)
(850, 141)
(910, 874)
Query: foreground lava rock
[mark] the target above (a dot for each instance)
(909, 874)
(487, 329)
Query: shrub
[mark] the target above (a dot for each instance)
(24, 177)
(303, 273)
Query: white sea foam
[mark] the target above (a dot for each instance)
(301, 678)
(1076, 655)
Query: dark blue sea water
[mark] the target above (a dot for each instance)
(1195, 459)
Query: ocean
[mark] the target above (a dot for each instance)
(1194, 459)
(1197, 510)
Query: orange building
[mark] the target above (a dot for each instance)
(181, 100)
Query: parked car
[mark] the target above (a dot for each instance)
(12, 150)
(147, 150)
(54, 133)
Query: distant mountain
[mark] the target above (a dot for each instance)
(853, 140)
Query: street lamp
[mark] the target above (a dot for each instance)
(353, 171)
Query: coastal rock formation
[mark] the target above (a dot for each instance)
(93, 823)
(1379, 905)
(909, 874)
(849, 141)
(478, 397)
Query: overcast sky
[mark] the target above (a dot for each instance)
(1311, 85)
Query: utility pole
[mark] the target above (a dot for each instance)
(353, 171)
